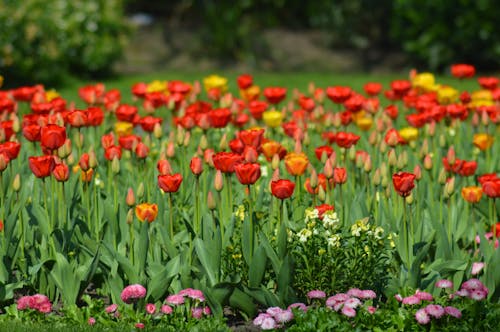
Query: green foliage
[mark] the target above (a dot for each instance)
(437, 33)
(42, 41)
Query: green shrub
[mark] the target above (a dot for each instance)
(42, 41)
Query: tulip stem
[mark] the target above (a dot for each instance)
(131, 242)
(250, 217)
(407, 237)
(171, 216)
(2, 197)
(197, 205)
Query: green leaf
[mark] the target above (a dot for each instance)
(242, 301)
(257, 267)
(159, 281)
(207, 260)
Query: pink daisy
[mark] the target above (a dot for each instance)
(348, 311)
(422, 317)
(424, 296)
(316, 294)
(284, 316)
(356, 292)
(175, 299)
(454, 312)
(477, 267)
(353, 302)
(166, 309)
(111, 308)
(132, 293)
(435, 310)
(411, 300)
(150, 308)
(444, 283)
(298, 305)
(368, 294)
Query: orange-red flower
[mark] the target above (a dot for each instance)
(372, 88)
(170, 183)
(52, 136)
(274, 95)
(146, 212)
(113, 151)
(483, 141)
(148, 123)
(393, 138)
(11, 149)
(325, 149)
(403, 182)
(296, 163)
(77, 118)
(270, 148)
(462, 70)
(323, 208)
(346, 140)
(225, 161)
(282, 189)
(339, 175)
(251, 137)
(247, 173)
(244, 81)
(491, 187)
(196, 166)
(472, 194)
(338, 94)
(219, 117)
(257, 108)
(489, 83)
(61, 172)
(126, 113)
(322, 182)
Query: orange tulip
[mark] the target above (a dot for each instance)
(296, 163)
(146, 212)
(483, 141)
(472, 194)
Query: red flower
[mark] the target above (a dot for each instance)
(245, 81)
(372, 88)
(25, 93)
(400, 87)
(41, 166)
(282, 189)
(112, 152)
(270, 148)
(487, 177)
(322, 182)
(457, 111)
(169, 183)
(11, 149)
(225, 161)
(256, 108)
(496, 229)
(141, 150)
(468, 168)
(306, 103)
(77, 119)
(251, 137)
(32, 132)
(491, 188)
(247, 173)
(127, 142)
(393, 138)
(126, 112)
(403, 183)
(179, 87)
(274, 95)
(346, 140)
(219, 118)
(95, 116)
(323, 149)
(489, 83)
(148, 123)
(92, 94)
(290, 128)
(139, 89)
(7, 127)
(329, 137)
(236, 145)
(7, 105)
(339, 175)
(354, 103)
(461, 70)
(52, 136)
(146, 212)
(61, 172)
(108, 140)
(196, 166)
(391, 111)
(338, 94)
(84, 162)
(324, 208)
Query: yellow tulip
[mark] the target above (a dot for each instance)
(409, 133)
(481, 98)
(51, 94)
(447, 95)
(364, 123)
(483, 141)
(157, 86)
(424, 81)
(123, 128)
(215, 82)
(272, 118)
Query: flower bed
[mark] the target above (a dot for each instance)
(187, 202)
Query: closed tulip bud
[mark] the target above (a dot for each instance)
(196, 166)
(475, 119)
(157, 131)
(250, 154)
(373, 138)
(442, 176)
(450, 156)
(307, 139)
(170, 149)
(427, 162)
(84, 162)
(276, 175)
(321, 194)
(383, 168)
(382, 147)
(380, 125)
(442, 141)
(485, 118)
(449, 187)
(92, 159)
(130, 199)
(218, 181)
(65, 150)
(328, 169)
(140, 191)
(187, 139)
(385, 181)
(78, 139)
(298, 147)
(314, 179)
(401, 162)
(180, 135)
(368, 164)
(392, 159)
(71, 159)
(275, 162)
(351, 154)
(418, 172)
(223, 144)
(409, 199)
(431, 129)
(4, 162)
(211, 204)
(16, 125)
(147, 140)
(130, 216)
(424, 148)
(16, 183)
(388, 191)
(115, 165)
(376, 179)
(203, 142)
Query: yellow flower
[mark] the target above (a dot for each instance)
(481, 98)
(157, 86)
(123, 128)
(51, 95)
(272, 118)
(240, 212)
(1, 80)
(215, 82)
(425, 82)
(483, 141)
(447, 95)
(364, 123)
(409, 133)
(251, 93)
(146, 212)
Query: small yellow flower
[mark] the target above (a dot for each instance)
(1, 80)
(304, 234)
(272, 118)
(236, 256)
(215, 82)
(409, 133)
(251, 93)
(321, 252)
(481, 98)
(240, 213)
(364, 123)
(483, 141)
(334, 241)
(447, 95)
(425, 82)
(157, 86)
(311, 214)
(123, 128)
(51, 95)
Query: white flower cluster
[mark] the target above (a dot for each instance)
(330, 223)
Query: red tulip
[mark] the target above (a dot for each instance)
(164, 167)
(108, 140)
(146, 212)
(225, 161)
(491, 187)
(112, 152)
(282, 189)
(169, 183)
(372, 88)
(7, 128)
(274, 95)
(403, 183)
(196, 166)
(256, 108)
(245, 81)
(128, 142)
(32, 132)
(489, 83)
(400, 87)
(323, 208)
(148, 123)
(52, 136)
(219, 118)
(463, 70)
(393, 138)
(41, 166)
(338, 94)
(339, 175)
(11, 149)
(346, 140)
(236, 146)
(251, 137)
(95, 116)
(325, 149)
(247, 173)
(77, 119)
(126, 113)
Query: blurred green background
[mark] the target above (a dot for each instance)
(50, 40)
